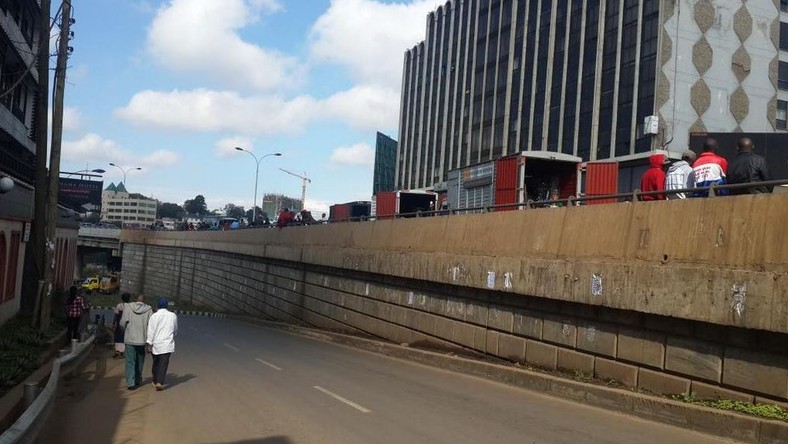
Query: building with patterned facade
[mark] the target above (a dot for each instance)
(579, 78)
(385, 164)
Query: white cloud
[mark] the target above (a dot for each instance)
(370, 37)
(363, 107)
(201, 37)
(94, 149)
(72, 119)
(358, 154)
(317, 207)
(226, 146)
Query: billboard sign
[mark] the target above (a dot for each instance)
(80, 195)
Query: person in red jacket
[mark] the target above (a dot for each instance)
(285, 218)
(654, 178)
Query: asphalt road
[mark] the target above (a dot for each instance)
(233, 382)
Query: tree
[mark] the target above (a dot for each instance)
(170, 210)
(249, 213)
(196, 206)
(234, 211)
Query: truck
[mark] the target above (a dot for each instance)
(529, 176)
(404, 203)
(350, 211)
(109, 284)
(90, 284)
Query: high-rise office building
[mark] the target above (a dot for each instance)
(579, 77)
(385, 164)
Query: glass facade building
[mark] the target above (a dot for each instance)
(385, 164)
(578, 77)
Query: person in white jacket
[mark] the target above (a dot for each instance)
(162, 328)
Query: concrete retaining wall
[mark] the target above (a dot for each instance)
(655, 353)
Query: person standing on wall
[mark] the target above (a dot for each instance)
(75, 309)
(749, 167)
(134, 321)
(162, 329)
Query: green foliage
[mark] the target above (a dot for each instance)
(196, 206)
(234, 211)
(768, 411)
(170, 210)
(20, 348)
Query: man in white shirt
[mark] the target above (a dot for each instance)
(162, 328)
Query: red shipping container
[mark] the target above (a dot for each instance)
(601, 180)
(339, 212)
(506, 174)
(386, 204)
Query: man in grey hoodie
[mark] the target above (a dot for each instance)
(135, 325)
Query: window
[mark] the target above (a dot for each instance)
(784, 35)
(782, 114)
(783, 76)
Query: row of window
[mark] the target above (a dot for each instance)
(131, 218)
(118, 203)
(24, 15)
(135, 211)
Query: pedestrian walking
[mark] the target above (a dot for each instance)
(120, 345)
(162, 329)
(749, 167)
(134, 321)
(680, 175)
(75, 309)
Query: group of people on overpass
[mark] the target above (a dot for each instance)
(707, 169)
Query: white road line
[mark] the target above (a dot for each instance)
(268, 364)
(341, 399)
(233, 348)
(194, 328)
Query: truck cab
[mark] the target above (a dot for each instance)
(109, 284)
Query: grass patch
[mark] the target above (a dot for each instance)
(768, 411)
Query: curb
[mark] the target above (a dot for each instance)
(706, 420)
(206, 314)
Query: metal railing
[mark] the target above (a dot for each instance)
(635, 196)
(40, 401)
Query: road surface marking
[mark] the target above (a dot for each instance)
(194, 328)
(268, 364)
(341, 399)
(233, 348)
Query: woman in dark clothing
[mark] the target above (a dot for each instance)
(75, 308)
(120, 345)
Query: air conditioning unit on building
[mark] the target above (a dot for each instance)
(651, 125)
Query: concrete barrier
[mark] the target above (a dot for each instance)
(26, 428)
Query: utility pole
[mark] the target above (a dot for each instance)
(32, 282)
(54, 160)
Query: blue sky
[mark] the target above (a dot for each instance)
(173, 86)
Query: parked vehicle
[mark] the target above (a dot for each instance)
(109, 284)
(350, 211)
(390, 204)
(91, 284)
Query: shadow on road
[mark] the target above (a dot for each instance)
(92, 392)
(269, 440)
(173, 380)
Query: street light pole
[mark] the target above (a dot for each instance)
(256, 176)
(125, 171)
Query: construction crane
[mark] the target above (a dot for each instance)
(304, 181)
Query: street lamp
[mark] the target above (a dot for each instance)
(125, 171)
(256, 175)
